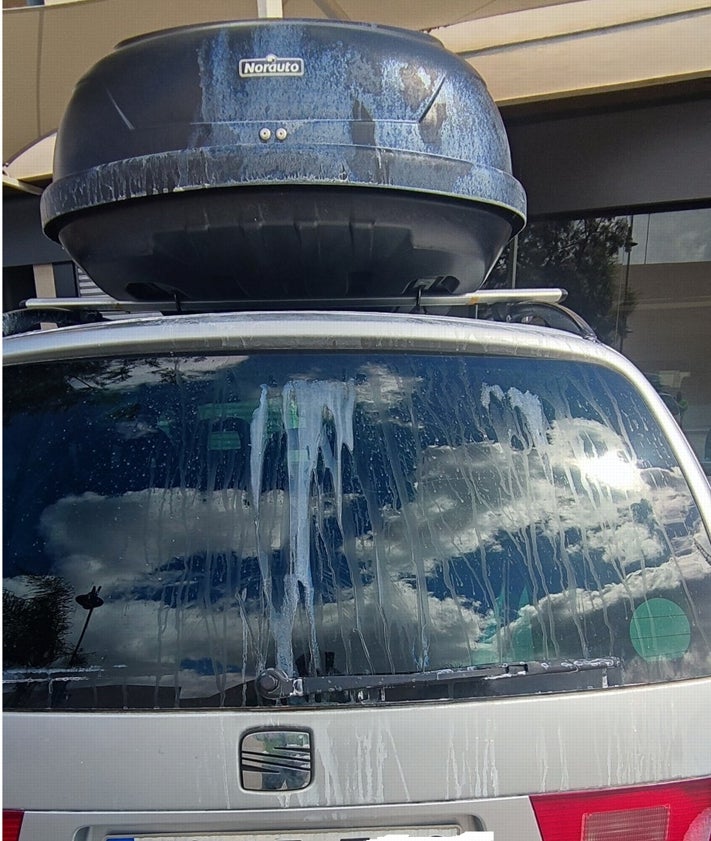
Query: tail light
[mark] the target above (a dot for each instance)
(668, 812)
(11, 824)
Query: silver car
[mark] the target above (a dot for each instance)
(326, 576)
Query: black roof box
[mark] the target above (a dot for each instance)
(282, 158)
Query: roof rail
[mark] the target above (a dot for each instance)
(542, 314)
(518, 306)
(19, 321)
(515, 306)
(417, 300)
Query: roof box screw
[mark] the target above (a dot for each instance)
(265, 134)
(281, 134)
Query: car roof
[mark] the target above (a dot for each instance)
(302, 330)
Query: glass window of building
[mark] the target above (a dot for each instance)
(643, 281)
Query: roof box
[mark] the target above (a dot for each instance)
(275, 159)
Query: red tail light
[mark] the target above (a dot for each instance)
(11, 824)
(668, 812)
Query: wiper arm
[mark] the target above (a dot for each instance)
(274, 684)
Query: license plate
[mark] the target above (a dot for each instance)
(363, 834)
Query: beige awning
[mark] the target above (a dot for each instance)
(46, 49)
(527, 50)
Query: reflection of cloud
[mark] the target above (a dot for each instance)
(130, 430)
(686, 579)
(637, 586)
(116, 537)
(670, 493)
(367, 615)
(627, 544)
(384, 387)
(577, 492)
(20, 586)
(673, 237)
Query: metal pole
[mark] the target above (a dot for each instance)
(89, 601)
(81, 637)
(629, 245)
(514, 260)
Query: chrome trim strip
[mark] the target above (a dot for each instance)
(483, 296)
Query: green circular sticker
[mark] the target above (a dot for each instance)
(660, 630)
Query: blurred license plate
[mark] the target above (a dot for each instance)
(364, 834)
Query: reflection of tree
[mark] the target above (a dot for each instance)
(580, 255)
(59, 385)
(35, 627)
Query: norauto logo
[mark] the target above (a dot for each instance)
(270, 65)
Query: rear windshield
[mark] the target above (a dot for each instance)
(174, 526)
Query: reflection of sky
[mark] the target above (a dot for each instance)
(681, 236)
(464, 508)
(448, 555)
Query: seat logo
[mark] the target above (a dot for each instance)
(275, 760)
(270, 65)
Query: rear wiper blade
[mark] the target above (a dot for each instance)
(274, 684)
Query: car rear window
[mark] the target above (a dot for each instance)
(174, 526)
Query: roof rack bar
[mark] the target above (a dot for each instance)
(105, 303)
